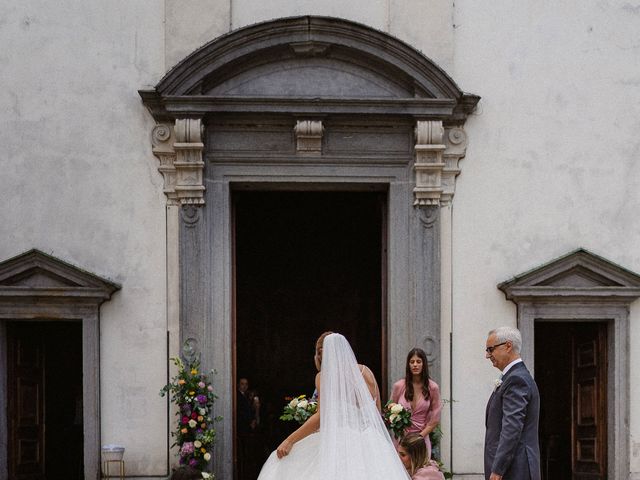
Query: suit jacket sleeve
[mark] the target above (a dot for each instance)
(515, 402)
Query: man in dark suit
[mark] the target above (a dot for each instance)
(245, 420)
(511, 450)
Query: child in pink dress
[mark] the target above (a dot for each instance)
(413, 453)
(420, 395)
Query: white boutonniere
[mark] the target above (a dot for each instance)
(497, 384)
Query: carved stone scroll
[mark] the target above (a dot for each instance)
(309, 137)
(455, 139)
(429, 165)
(162, 139)
(179, 149)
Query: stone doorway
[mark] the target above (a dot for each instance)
(305, 262)
(44, 414)
(571, 372)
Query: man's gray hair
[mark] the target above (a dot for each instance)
(508, 334)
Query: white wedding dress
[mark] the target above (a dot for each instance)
(353, 443)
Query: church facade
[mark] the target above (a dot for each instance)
(231, 179)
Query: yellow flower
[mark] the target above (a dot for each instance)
(192, 393)
(203, 450)
(181, 382)
(194, 371)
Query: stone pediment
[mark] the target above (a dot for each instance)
(577, 275)
(308, 65)
(34, 273)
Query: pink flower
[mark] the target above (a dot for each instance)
(201, 384)
(185, 420)
(210, 388)
(187, 449)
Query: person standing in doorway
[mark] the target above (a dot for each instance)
(245, 417)
(419, 394)
(511, 450)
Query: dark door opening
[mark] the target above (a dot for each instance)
(44, 380)
(571, 373)
(305, 262)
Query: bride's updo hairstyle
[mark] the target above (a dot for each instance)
(318, 356)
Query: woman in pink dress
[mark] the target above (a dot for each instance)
(413, 453)
(419, 394)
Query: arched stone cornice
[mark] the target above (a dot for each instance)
(410, 83)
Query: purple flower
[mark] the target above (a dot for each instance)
(202, 398)
(193, 462)
(187, 449)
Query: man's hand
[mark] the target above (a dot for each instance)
(284, 449)
(495, 476)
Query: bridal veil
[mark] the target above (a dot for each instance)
(354, 443)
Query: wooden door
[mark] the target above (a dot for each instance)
(25, 403)
(589, 402)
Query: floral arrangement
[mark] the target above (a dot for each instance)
(191, 391)
(397, 418)
(299, 409)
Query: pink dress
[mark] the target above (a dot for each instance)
(429, 472)
(426, 411)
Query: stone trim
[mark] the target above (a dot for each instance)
(309, 137)
(438, 151)
(179, 148)
(163, 108)
(428, 165)
(35, 285)
(358, 40)
(455, 138)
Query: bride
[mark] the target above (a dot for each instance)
(346, 438)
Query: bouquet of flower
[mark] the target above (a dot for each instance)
(193, 394)
(299, 409)
(397, 418)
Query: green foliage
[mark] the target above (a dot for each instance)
(193, 394)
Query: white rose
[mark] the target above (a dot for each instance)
(206, 475)
(197, 444)
(207, 456)
(293, 403)
(192, 423)
(397, 408)
(392, 417)
(303, 404)
(203, 411)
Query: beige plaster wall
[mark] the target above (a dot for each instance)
(552, 165)
(78, 181)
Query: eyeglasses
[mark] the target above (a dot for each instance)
(492, 348)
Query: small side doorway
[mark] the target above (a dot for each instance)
(571, 372)
(44, 400)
